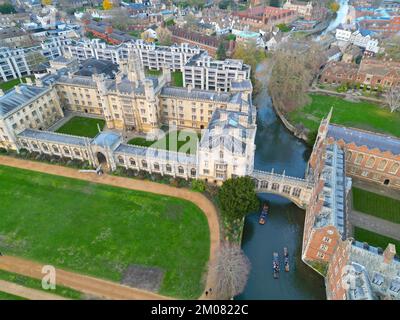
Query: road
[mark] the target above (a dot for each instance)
(95, 286)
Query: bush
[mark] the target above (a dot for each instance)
(198, 185)
(3, 151)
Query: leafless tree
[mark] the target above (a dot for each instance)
(392, 98)
(232, 268)
(164, 36)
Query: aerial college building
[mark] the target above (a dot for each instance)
(128, 100)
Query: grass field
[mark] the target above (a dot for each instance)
(172, 141)
(100, 230)
(376, 205)
(155, 73)
(81, 126)
(177, 78)
(374, 239)
(360, 115)
(37, 284)
(7, 296)
(5, 86)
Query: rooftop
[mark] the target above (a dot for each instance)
(369, 139)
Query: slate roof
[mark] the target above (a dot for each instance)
(195, 94)
(13, 100)
(365, 138)
(52, 137)
(161, 154)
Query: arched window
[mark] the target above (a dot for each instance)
(221, 154)
(193, 172)
(132, 162)
(168, 168)
(55, 149)
(25, 144)
(66, 150)
(349, 155)
(156, 166)
(144, 163)
(382, 165)
(34, 145)
(370, 162)
(394, 168)
(359, 159)
(121, 160)
(181, 170)
(45, 147)
(77, 153)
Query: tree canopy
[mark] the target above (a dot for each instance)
(237, 197)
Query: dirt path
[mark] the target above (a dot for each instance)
(112, 292)
(27, 293)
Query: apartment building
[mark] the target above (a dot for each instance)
(205, 73)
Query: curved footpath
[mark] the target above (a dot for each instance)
(99, 287)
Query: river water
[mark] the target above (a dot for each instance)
(340, 17)
(278, 149)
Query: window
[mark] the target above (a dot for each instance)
(55, 149)
(286, 189)
(121, 160)
(168, 168)
(66, 150)
(327, 239)
(156, 166)
(45, 148)
(382, 165)
(206, 171)
(144, 163)
(181, 170)
(77, 153)
(324, 247)
(193, 172)
(359, 159)
(132, 162)
(296, 192)
(394, 168)
(320, 255)
(370, 162)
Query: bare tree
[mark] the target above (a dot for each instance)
(164, 36)
(392, 97)
(232, 268)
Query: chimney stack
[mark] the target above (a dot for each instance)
(389, 253)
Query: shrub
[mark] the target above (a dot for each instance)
(3, 151)
(198, 185)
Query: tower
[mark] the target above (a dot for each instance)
(135, 68)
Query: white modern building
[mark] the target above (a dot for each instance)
(357, 39)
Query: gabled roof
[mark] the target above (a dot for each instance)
(365, 138)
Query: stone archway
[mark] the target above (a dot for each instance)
(101, 158)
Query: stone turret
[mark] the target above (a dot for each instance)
(389, 253)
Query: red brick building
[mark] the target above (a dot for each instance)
(265, 18)
(371, 73)
(107, 33)
(208, 43)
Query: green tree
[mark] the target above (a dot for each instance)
(237, 197)
(7, 8)
(198, 185)
(221, 51)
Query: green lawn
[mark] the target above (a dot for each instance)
(177, 79)
(7, 296)
(37, 284)
(81, 126)
(174, 141)
(100, 230)
(376, 205)
(5, 86)
(155, 73)
(361, 115)
(374, 239)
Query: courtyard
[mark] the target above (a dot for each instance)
(177, 140)
(362, 115)
(102, 231)
(376, 205)
(374, 239)
(82, 126)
